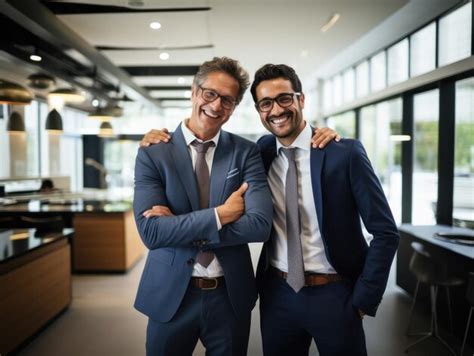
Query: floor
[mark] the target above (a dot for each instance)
(101, 321)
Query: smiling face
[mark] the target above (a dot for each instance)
(284, 122)
(208, 117)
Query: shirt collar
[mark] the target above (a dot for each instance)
(189, 135)
(302, 141)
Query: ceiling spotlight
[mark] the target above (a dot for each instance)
(187, 94)
(181, 80)
(95, 103)
(36, 58)
(164, 56)
(40, 81)
(155, 25)
(330, 23)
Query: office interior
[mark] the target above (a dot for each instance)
(82, 81)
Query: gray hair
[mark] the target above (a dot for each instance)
(226, 65)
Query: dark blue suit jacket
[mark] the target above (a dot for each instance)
(346, 188)
(164, 176)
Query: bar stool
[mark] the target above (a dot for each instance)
(434, 273)
(470, 299)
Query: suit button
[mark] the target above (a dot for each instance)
(190, 261)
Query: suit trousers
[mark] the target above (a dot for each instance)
(203, 314)
(325, 314)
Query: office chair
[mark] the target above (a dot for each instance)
(470, 299)
(434, 273)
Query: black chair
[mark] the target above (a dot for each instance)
(433, 272)
(470, 299)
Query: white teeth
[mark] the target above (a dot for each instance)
(210, 115)
(279, 120)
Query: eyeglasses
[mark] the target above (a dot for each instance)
(210, 95)
(284, 100)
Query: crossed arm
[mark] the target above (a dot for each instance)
(241, 223)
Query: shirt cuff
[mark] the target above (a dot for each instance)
(219, 225)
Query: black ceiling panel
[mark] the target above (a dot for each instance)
(149, 71)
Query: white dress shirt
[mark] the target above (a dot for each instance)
(313, 248)
(214, 269)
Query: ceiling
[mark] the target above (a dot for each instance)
(108, 45)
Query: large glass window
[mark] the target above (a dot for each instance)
(119, 160)
(377, 72)
(349, 85)
(463, 199)
(4, 142)
(32, 142)
(455, 35)
(327, 94)
(362, 79)
(398, 62)
(337, 90)
(344, 124)
(380, 133)
(423, 50)
(425, 170)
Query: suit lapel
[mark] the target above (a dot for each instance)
(184, 167)
(220, 167)
(317, 160)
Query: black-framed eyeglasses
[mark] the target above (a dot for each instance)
(210, 95)
(284, 100)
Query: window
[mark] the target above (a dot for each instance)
(463, 198)
(398, 62)
(377, 72)
(349, 88)
(423, 50)
(327, 93)
(380, 133)
(425, 170)
(337, 90)
(455, 35)
(362, 79)
(32, 143)
(344, 124)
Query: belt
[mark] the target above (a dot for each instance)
(311, 279)
(207, 283)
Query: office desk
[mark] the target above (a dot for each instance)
(460, 259)
(35, 282)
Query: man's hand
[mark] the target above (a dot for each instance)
(234, 206)
(158, 210)
(155, 136)
(323, 136)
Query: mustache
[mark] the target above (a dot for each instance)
(285, 113)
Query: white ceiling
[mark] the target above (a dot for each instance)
(254, 32)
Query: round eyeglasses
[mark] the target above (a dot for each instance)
(283, 100)
(210, 95)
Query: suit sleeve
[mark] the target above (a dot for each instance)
(185, 230)
(255, 224)
(377, 217)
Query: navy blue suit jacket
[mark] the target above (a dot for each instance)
(164, 176)
(346, 188)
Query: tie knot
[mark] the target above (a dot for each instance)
(202, 147)
(289, 153)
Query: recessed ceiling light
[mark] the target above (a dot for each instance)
(95, 103)
(36, 58)
(155, 25)
(330, 23)
(164, 56)
(187, 94)
(181, 80)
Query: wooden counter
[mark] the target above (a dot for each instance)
(35, 283)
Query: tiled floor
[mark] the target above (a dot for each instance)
(102, 321)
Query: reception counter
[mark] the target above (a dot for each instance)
(35, 282)
(458, 257)
(106, 238)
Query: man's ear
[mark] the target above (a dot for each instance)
(301, 99)
(194, 89)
